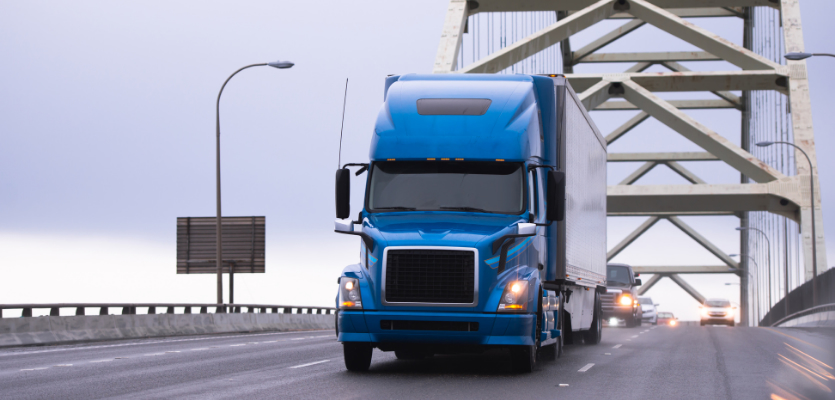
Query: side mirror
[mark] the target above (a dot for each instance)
(526, 228)
(638, 282)
(343, 225)
(556, 196)
(343, 193)
(656, 305)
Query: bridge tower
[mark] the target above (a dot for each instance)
(773, 193)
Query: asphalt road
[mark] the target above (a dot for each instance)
(638, 363)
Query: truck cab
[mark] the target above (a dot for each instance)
(463, 199)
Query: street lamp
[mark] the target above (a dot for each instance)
(756, 283)
(768, 276)
(814, 238)
(218, 243)
(802, 56)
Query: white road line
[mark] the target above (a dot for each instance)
(301, 338)
(122, 358)
(314, 363)
(64, 365)
(199, 349)
(152, 354)
(101, 361)
(173, 351)
(617, 346)
(236, 345)
(22, 353)
(586, 368)
(633, 337)
(608, 354)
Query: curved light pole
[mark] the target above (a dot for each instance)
(218, 243)
(756, 283)
(768, 273)
(803, 56)
(814, 238)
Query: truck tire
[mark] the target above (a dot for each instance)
(731, 323)
(523, 358)
(357, 356)
(595, 332)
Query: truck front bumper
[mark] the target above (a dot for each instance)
(436, 327)
(618, 311)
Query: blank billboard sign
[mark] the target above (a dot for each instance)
(243, 244)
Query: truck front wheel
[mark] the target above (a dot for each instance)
(523, 358)
(357, 356)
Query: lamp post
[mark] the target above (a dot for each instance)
(814, 238)
(219, 242)
(756, 283)
(768, 274)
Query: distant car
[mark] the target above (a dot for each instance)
(717, 312)
(648, 310)
(620, 302)
(667, 318)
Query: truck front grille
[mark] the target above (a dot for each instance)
(430, 276)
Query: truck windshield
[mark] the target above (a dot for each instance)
(490, 187)
(617, 275)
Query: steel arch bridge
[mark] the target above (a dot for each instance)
(774, 196)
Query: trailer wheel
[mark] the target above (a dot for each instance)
(357, 356)
(595, 332)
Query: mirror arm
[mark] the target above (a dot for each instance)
(531, 167)
(543, 223)
(369, 242)
(504, 244)
(359, 171)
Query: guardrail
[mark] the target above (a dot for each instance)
(169, 308)
(800, 302)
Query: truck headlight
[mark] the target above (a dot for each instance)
(349, 294)
(514, 297)
(625, 300)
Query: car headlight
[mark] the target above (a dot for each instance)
(514, 297)
(349, 294)
(704, 312)
(729, 313)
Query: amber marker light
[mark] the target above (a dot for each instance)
(347, 303)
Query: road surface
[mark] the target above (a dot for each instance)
(686, 362)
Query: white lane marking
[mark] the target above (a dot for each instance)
(173, 351)
(563, 385)
(236, 345)
(309, 364)
(34, 369)
(271, 341)
(64, 365)
(199, 349)
(633, 337)
(101, 361)
(122, 358)
(252, 343)
(154, 342)
(301, 338)
(152, 354)
(608, 354)
(617, 346)
(586, 368)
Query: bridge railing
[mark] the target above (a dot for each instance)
(164, 308)
(800, 302)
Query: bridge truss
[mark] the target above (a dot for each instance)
(774, 196)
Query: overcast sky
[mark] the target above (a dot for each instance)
(107, 135)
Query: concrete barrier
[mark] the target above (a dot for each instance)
(54, 330)
(825, 319)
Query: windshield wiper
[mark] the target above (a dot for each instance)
(396, 208)
(475, 209)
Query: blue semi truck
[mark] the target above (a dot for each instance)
(483, 225)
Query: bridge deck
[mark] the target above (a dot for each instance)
(651, 362)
